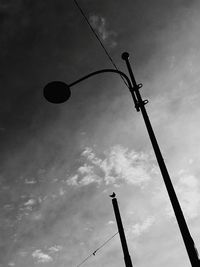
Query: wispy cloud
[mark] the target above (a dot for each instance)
(41, 257)
(55, 248)
(139, 228)
(31, 181)
(188, 192)
(118, 165)
(30, 202)
(99, 23)
(11, 264)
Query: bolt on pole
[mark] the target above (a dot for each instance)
(127, 258)
(140, 106)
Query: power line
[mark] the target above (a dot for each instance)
(94, 253)
(98, 39)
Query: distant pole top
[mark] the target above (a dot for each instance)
(125, 55)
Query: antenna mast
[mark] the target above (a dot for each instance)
(127, 258)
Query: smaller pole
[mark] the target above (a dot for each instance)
(127, 258)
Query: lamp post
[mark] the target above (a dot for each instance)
(58, 92)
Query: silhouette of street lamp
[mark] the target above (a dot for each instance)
(58, 92)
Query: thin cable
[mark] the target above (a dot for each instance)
(94, 253)
(99, 40)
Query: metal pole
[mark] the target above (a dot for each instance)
(140, 106)
(127, 258)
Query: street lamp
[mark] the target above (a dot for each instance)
(59, 92)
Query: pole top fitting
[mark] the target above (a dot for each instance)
(113, 195)
(125, 56)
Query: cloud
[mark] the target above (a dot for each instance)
(11, 264)
(41, 257)
(30, 202)
(125, 165)
(188, 192)
(73, 180)
(85, 176)
(111, 222)
(119, 165)
(139, 228)
(31, 181)
(99, 23)
(55, 248)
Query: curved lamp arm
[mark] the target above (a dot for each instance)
(102, 71)
(58, 92)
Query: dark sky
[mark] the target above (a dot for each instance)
(59, 163)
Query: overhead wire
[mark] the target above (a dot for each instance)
(99, 40)
(95, 251)
(115, 66)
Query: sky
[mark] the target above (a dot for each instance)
(60, 163)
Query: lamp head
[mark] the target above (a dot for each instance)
(57, 92)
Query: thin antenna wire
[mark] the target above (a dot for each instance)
(99, 40)
(94, 253)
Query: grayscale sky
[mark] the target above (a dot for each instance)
(59, 163)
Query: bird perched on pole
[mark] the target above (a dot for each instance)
(113, 195)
